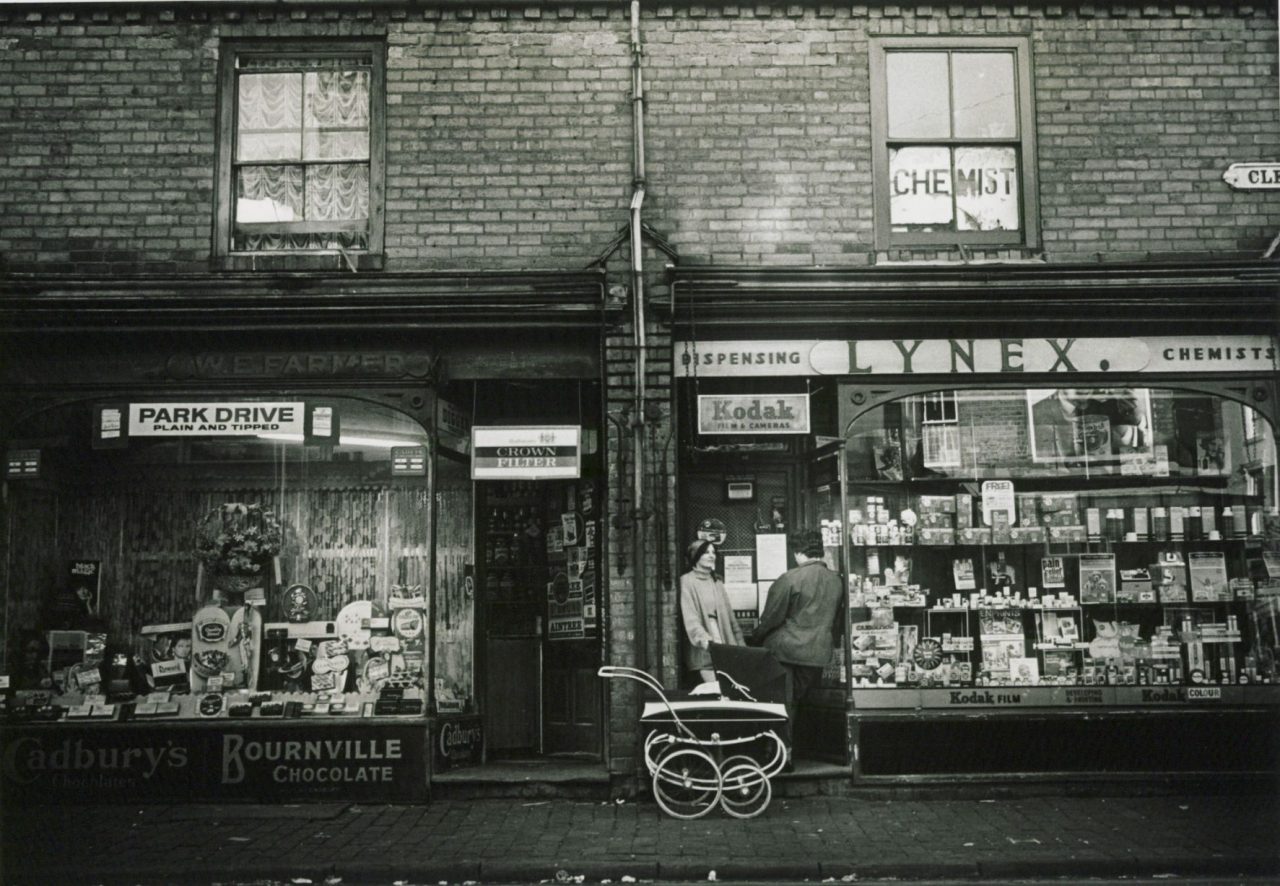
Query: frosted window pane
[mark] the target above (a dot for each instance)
(917, 95)
(984, 95)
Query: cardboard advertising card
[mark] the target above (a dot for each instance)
(1208, 576)
(1053, 573)
(1097, 578)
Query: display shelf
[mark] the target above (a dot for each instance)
(1015, 696)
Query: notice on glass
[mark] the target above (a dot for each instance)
(738, 569)
(771, 556)
(742, 595)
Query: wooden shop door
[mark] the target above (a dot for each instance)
(571, 697)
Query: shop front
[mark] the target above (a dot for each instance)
(1061, 542)
(256, 560)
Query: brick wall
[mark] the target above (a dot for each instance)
(759, 120)
(508, 141)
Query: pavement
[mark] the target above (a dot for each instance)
(1229, 838)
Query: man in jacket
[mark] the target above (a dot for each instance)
(799, 624)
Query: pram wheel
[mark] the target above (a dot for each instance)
(745, 789)
(686, 783)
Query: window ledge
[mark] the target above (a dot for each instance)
(292, 261)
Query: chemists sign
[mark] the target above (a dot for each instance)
(203, 419)
(753, 414)
(976, 356)
(541, 452)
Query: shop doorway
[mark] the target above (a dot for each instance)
(538, 587)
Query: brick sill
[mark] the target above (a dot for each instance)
(318, 261)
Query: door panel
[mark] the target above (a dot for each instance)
(572, 703)
(511, 695)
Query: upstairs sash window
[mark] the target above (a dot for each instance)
(304, 150)
(954, 148)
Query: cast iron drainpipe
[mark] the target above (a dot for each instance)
(639, 573)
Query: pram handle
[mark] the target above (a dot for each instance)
(647, 680)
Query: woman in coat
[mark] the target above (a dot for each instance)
(704, 605)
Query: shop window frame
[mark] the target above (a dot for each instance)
(224, 257)
(1023, 142)
(875, 399)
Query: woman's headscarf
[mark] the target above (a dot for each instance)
(694, 552)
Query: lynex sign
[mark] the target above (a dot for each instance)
(968, 356)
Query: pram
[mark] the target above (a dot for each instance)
(704, 751)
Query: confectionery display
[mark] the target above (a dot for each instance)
(228, 660)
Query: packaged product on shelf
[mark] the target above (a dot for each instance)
(1025, 535)
(1239, 521)
(1208, 523)
(164, 651)
(964, 509)
(937, 504)
(1194, 523)
(1067, 534)
(1134, 584)
(1115, 524)
(936, 537)
(1000, 534)
(1052, 572)
(1060, 503)
(936, 520)
(1093, 523)
(1028, 508)
(1170, 579)
(962, 570)
(1241, 588)
(1208, 574)
(974, 536)
(1097, 578)
(1141, 524)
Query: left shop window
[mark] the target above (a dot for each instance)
(296, 554)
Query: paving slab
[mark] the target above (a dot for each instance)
(517, 840)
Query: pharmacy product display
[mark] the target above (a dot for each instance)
(1120, 596)
(1069, 537)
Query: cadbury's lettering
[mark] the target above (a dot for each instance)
(27, 759)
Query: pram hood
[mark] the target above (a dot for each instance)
(756, 669)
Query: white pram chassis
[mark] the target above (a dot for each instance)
(701, 753)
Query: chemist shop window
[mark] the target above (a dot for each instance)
(1084, 536)
(300, 157)
(954, 148)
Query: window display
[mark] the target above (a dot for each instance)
(272, 572)
(1099, 537)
